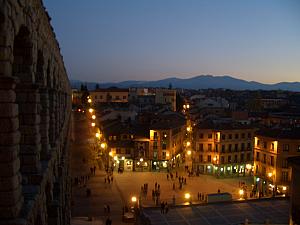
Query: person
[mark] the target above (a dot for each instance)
(166, 208)
(162, 207)
(108, 221)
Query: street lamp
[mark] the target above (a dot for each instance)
(188, 144)
(103, 145)
(133, 199)
(188, 129)
(141, 159)
(270, 175)
(93, 124)
(189, 152)
(93, 117)
(241, 192)
(89, 100)
(97, 135)
(91, 110)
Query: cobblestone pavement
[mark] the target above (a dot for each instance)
(130, 185)
(82, 159)
(275, 211)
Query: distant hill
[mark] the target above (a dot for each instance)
(198, 82)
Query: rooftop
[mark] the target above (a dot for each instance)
(280, 133)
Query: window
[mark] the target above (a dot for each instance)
(264, 158)
(248, 146)
(118, 151)
(272, 146)
(230, 136)
(217, 147)
(164, 146)
(200, 158)
(201, 136)
(154, 155)
(243, 147)
(209, 147)
(257, 143)
(284, 176)
(229, 159)
(235, 158)
(249, 135)
(124, 97)
(272, 160)
(284, 163)
(265, 144)
(115, 138)
(229, 147)
(236, 136)
(96, 96)
(209, 136)
(223, 137)
(154, 145)
(155, 135)
(163, 155)
(236, 147)
(117, 97)
(222, 160)
(209, 158)
(257, 156)
(101, 97)
(110, 138)
(125, 136)
(248, 156)
(286, 147)
(223, 148)
(128, 151)
(242, 157)
(201, 147)
(243, 135)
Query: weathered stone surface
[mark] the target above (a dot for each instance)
(9, 153)
(8, 110)
(31, 114)
(8, 139)
(9, 124)
(7, 96)
(10, 184)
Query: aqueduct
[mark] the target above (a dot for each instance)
(35, 112)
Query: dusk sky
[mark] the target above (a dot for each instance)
(117, 40)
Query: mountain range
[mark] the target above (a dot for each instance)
(197, 82)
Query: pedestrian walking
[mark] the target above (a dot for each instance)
(166, 208)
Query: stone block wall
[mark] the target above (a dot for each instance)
(35, 107)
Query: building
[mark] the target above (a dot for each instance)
(166, 96)
(110, 95)
(167, 134)
(223, 149)
(294, 163)
(272, 149)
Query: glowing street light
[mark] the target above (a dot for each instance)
(97, 135)
(123, 158)
(241, 192)
(215, 159)
(188, 129)
(141, 159)
(91, 110)
(189, 152)
(133, 199)
(188, 144)
(116, 158)
(89, 100)
(93, 117)
(187, 106)
(270, 174)
(187, 196)
(110, 153)
(103, 145)
(93, 124)
(167, 154)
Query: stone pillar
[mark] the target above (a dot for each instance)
(28, 99)
(52, 105)
(44, 126)
(11, 198)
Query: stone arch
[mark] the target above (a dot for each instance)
(27, 98)
(23, 56)
(40, 75)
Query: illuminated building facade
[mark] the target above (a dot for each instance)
(272, 149)
(167, 135)
(223, 149)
